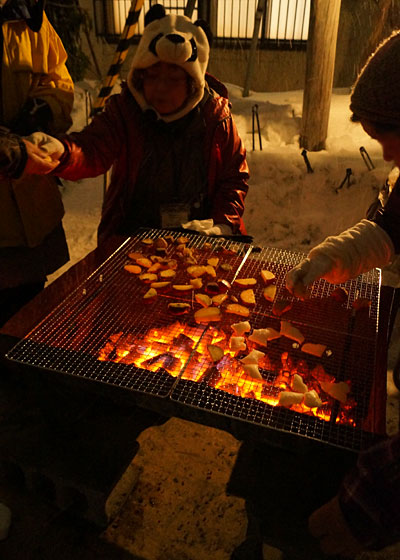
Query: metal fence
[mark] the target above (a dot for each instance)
(284, 22)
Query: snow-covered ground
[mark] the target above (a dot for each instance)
(286, 207)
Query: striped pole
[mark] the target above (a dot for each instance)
(120, 55)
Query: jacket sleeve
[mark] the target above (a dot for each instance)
(92, 151)
(231, 177)
(370, 495)
(54, 85)
(13, 155)
(388, 217)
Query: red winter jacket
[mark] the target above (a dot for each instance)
(113, 138)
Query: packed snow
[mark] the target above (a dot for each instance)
(286, 207)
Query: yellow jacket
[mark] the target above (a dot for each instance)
(33, 65)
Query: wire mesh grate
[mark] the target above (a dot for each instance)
(106, 331)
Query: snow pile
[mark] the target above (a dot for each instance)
(286, 207)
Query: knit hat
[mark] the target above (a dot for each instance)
(176, 40)
(376, 93)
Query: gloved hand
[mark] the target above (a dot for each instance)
(38, 162)
(328, 525)
(207, 227)
(53, 147)
(305, 273)
(337, 259)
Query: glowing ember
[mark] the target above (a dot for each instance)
(180, 349)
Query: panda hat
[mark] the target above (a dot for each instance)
(176, 40)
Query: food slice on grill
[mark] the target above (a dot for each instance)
(237, 309)
(282, 306)
(361, 303)
(241, 328)
(288, 330)
(216, 352)
(134, 256)
(197, 283)
(181, 240)
(226, 267)
(133, 268)
(298, 384)
(178, 308)
(210, 270)
(147, 241)
(150, 294)
(213, 261)
(313, 349)
(207, 314)
(248, 297)
(312, 400)
(203, 299)
(252, 370)
(159, 285)
(148, 277)
(168, 273)
(253, 357)
(288, 398)
(246, 281)
(155, 267)
(183, 287)
(336, 390)
(144, 262)
(262, 336)
(237, 343)
(267, 276)
(162, 243)
(196, 270)
(270, 292)
(219, 299)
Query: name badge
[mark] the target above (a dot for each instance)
(174, 214)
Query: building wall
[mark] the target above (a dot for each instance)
(275, 70)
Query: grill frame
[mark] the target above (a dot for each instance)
(189, 393)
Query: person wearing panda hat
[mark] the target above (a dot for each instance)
(169, 136)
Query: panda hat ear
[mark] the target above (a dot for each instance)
(207, 30)
(156, 12)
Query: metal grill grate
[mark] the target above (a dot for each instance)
(105, 332)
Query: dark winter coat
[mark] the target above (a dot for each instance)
(388, 217)
(114, 138)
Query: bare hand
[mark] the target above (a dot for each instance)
(39, 162)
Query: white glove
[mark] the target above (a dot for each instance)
(337, 259)
(53, 147)
(207, 227)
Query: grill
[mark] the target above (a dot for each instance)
(106, 332)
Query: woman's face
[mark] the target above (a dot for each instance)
(390, 142)
(165, 87)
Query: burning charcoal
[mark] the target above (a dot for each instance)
(231, 388)
(281, 307)
(340, 295)
(302, 368)
(287, 361)
(211, 376)
(320, 374)
(250, 395)
(154, 360)
(183, 341)
(170, 362)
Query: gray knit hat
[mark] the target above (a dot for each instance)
(376, 93)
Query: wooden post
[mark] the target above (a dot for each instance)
(253, 47)
(190, 4)
(321, 51)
